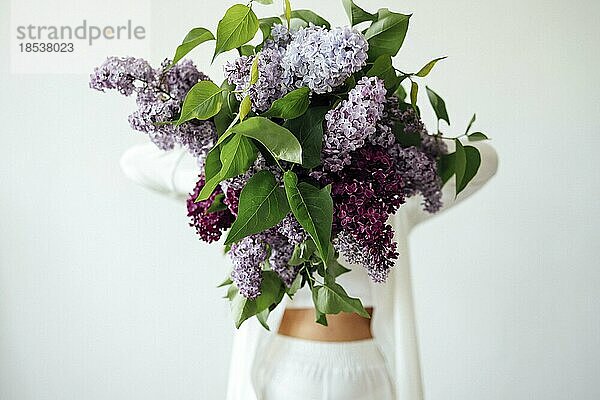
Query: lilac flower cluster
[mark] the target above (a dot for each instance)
(314, 57)
(432, 145)
(209, 226)
(159, 96)
(419, 171)
(249, 254)
(269, 86)
(323, 59)
(353, 123)
(247, 257)
(364, 194)
(122, 74)
(238, 182)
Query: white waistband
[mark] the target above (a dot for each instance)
(364, 352)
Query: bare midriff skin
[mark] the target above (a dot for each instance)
(343, 327)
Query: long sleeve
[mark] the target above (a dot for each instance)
(173, 173)
(487, 169)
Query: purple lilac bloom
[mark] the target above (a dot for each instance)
(197, 138)
(238, 182)
(323, 59)
(121, 73)
(179, 79)
(280, 37)
(419, 170)
(281, 252)
(159, 97)
(209, 226)
(430, 144)
(353, 123)
(232, 198)
(269, 86)
(292, 230)
(314, 57)
(247, 257)
(411, 124)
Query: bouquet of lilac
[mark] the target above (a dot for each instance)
(307, 147)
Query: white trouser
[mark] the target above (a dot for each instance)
(299, 369)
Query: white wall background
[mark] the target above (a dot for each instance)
(105, 293)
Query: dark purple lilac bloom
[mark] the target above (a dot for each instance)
(365, 193)
(209, 226)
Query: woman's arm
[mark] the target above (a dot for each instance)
(487, 169)
(173, 173)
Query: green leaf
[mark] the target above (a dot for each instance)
(266, 24)
(302, 252)
(295, 286)
(335, 269)
(263, 204)
(445, 167)
(356, 15)
(245, 107)
(237, 155)
(383, 68)
(414, 92)
(264, 2)
(320, 318)
(202, 102)
(226, 282)
(308, 129)
(473, 118)
(262, 317)
(400, 93)
(246, 50)
(313, 208)
(331, 298)
(272, 291)
(241, 307)
(238, 27)
(254, 71)
(232, 291)
(473, 161)
(438, 104)
(287, 12)
(460, 164)
(423, 72)
(386, 35)
(406, 139)
(194, 38)
(475, 136)
(217, 204)
(280, 142)
(290, 106)
(226, 115)
(310, 17)
(212, 164)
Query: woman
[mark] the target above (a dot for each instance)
(353, 358)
